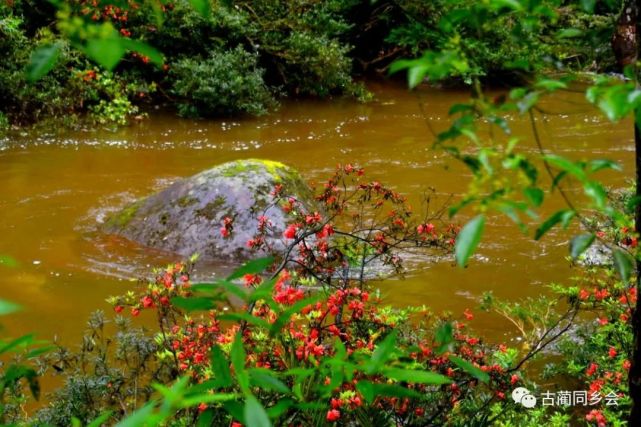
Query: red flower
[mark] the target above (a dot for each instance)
(627, 365)
(612, 352)
(333, 415)
(468, 314)
(514, 379)
(313, 219)
(147, 301)
(135, 311)
(591, 369)
(227, 228)
(601, 294)
(596, 416)
(118, 308)
(584, 294)
(603, 321)
(327, 230)
(164, 300)
(425, 228)
(252, 279)
(290, 232)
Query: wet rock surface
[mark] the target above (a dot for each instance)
(186, 217)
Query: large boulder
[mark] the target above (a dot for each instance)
(186, 217)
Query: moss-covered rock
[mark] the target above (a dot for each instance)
(186, 217)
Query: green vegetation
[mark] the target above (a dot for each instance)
(240, 57)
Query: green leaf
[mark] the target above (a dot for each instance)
(460, 108)
(534, 195)
(100, 420)
(224, 285)
(139, 417)
(588, 5)
(39, 351)
(510, 4)
(22, 341)
(371, 391)
(220, 367)
(15, 373)
(238, 354)
(580, 244)
(550, 85)
(8, 261)
(416, 376)
(266, 380)
(43, 59)
(238, 357)
(568, 33)
(245, 317)
(566, 165)
(206, 418)
(280, 407)
(286, 315)
(195, 400)
(416, 75)
(7, 307)
(597, 193)
(107, 52)
(444, 337)
(235, 409)
(470, 369)
(562, 216)
(194, 303)
(599, 164)
(144, 49)
(255, 415)
(631, 204)
(382, 353)
(366, 388)
(252, 267)
(622, 264)
(468, 239)
(263, 291)
(203, 7)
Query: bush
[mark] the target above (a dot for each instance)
(225, 82)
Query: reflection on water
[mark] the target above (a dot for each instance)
(56, 189)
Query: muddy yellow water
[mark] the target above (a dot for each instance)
(55, 190)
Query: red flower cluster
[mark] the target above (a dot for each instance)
(227, 228)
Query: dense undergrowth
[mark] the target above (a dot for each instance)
(242, 56)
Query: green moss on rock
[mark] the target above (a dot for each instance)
(124, 217)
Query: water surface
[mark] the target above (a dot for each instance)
(55, 190)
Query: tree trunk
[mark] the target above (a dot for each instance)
(624, 38)
(629, 16)
(634, 378)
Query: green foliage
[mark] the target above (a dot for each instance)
(17, 369)
(113, 371)
(468, 239)
(298, 48)
(222, 83)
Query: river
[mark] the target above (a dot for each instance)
(56, 189)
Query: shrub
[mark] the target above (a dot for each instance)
(224, 82)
